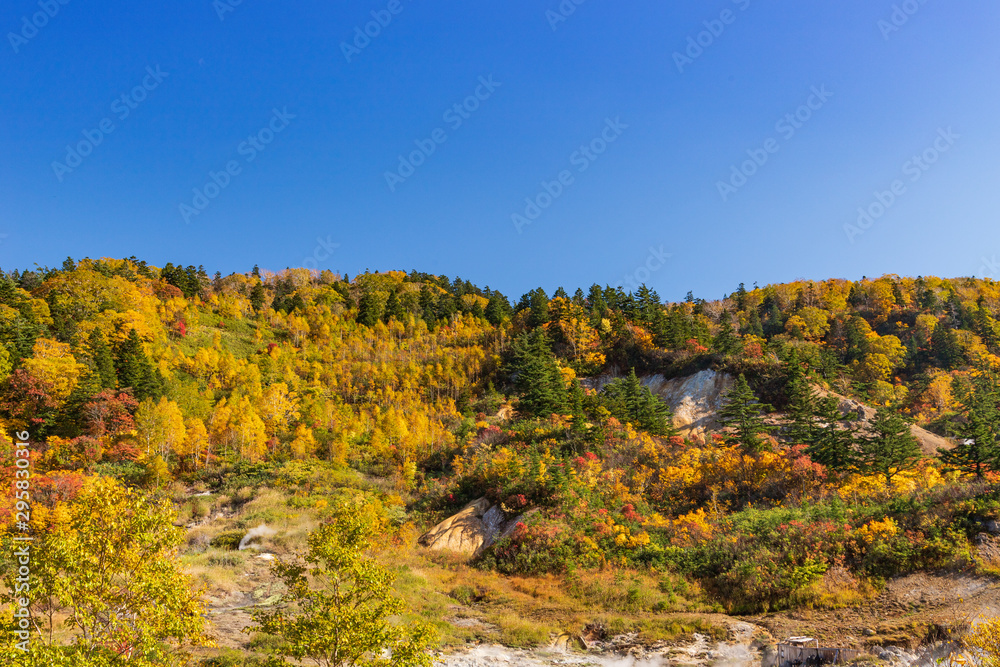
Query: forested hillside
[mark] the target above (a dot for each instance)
(134, 383)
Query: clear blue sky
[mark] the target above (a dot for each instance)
(655, 186)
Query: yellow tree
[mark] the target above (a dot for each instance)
(218, 426)
(884, 354)
(196, 443)
(249, 432)
(277, 407)
(881, 299)
(159, 426)
(110, 560)
(53, 363)
(304, 444)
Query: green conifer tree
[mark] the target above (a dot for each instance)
(537, 377)
(978, 450)
(579, 423)
(742, 411)
(629, 401)
(134, 369)
(103, 361)
(726, 341)
(829, 443)
(889, 448)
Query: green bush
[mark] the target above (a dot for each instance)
(464, 594)
(229, 539)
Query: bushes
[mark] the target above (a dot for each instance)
(229, 539)
(536, 549)
(668, 505)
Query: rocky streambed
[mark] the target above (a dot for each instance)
(702, 651)
(621, 651)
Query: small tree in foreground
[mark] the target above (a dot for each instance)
(108, 561)
(984, 642)
(337, 608)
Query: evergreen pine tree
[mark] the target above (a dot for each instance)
(579, 423)
(802, 408)
(428, 305)
(829, 443)
(754, 327)
(978, 450)
(726, 341)
(741, 298)
(257, 297)
(629, 401)
(537, 377)
(370, 309)
(538, 301)
(394, 308)
(742, 411)
(498, 309)
(134, 369)
(985, 324)
(104, 362)
(889, 448)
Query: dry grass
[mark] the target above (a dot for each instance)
(836, 589)
(529, 611)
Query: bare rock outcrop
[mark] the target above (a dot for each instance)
(463, 533)
(695, 399)
(472, 530)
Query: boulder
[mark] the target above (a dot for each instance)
(468, 532)
(473, 530)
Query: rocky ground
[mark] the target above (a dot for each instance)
(906, 625)
(700, 651)
(909, 612)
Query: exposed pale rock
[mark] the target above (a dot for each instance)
(465, 532)
(695, 399)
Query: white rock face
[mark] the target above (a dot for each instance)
(695, 399)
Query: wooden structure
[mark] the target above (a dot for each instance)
(798, 651)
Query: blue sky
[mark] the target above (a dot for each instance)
(649, 206)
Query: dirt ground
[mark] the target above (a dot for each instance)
(909, 610)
